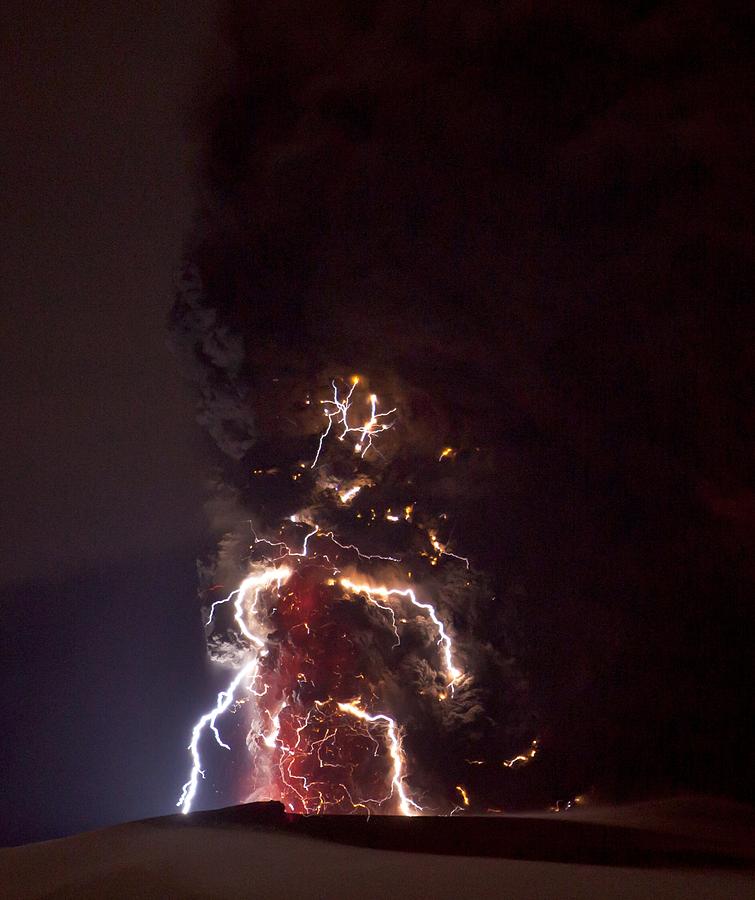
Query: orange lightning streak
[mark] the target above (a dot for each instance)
(522, 759)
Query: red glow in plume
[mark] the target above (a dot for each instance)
(320, 624)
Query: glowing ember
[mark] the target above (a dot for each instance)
(523, 758)
(304, 683)
(337, 411)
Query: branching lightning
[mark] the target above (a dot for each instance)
(314, 745)
(224, 701)
(407, 806)
(454, 673)
(337, 411)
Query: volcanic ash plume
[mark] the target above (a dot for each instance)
(355, 637)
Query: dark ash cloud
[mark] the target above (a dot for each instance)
(531, 229)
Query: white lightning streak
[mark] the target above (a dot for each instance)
(338, 410)
(271, 739)
(219, 603)
(256, 582)
(329, 534)
(224, 701)
(342, 407)
(443, 638)
(372, 427)
(407, 806)
(441, 548)
(304, 548)
(322, 439)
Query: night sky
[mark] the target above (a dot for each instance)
(103, 468)
(531, 221)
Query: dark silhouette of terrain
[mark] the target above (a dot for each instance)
(671, 849)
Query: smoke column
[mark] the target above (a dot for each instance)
(521, 243)
(347, 638)
(314, 258)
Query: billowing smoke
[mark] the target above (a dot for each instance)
(461, 204)
(375, 672)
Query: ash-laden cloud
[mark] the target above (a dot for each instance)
(354, 601)
(526, 230)
(207, 348)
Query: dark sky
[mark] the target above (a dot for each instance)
(543, 212)
(101, 464)
(99, 454)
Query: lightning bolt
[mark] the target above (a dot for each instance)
(224, 701)
(306, 747)
(523, 758)
(255, 583)
(316, 532)
(407, 806)
(442, 550)
(387, 593)
(337, 410)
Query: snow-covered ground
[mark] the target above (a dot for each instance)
(171, 859)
